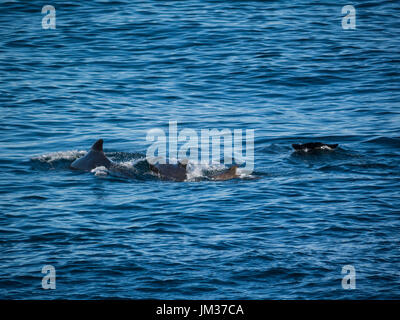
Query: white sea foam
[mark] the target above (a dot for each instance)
(199, 170)
(60, 155)
(129, 164)
(100, 171)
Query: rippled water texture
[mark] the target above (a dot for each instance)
(116, 69)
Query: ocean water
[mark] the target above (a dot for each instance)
(117, 69)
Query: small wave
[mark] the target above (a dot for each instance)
(55, 160)
(130, 169)
(202, 170)
(393, 142)
(59, 155)
(125, 157)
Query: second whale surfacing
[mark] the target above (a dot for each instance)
(313, 146)
(178, 172)
(94, 158)
(175, 172)
(228, 174)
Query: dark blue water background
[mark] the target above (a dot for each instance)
(116, 69)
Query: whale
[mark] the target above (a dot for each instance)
(94, 158)
(175, 172)
(228, 174)
(168, 171)
(313, 146)
(178, 172)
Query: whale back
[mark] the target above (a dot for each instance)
(176, 172)
(228, 174)
(94, 158)
(310, 146)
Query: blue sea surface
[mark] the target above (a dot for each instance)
(117, 69)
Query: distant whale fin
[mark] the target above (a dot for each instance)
(98, 145)
(233, 169)
(310, 146)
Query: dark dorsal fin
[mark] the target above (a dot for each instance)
(182, 164)
(296, 146)
(98, 145)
